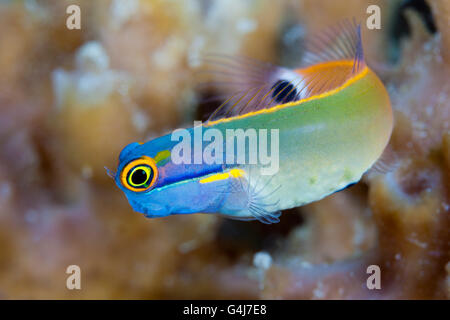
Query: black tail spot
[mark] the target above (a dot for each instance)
(284, 91)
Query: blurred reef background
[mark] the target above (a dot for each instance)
(70, 100)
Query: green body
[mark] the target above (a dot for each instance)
(325, 143)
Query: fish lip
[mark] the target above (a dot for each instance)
(152, 210)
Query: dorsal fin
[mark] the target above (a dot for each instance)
(331, 58)
(339, 42)
(245, 84)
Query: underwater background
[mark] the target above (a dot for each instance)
(70, 100)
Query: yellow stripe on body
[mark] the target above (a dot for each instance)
(162, 155)
(233, 173)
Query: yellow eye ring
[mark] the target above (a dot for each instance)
(140, 174)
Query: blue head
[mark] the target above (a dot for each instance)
(157, 187)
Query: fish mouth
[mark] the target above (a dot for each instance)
(151, 210)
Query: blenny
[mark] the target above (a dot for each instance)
(332, 116)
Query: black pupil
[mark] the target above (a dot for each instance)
(139, 177)
(283, 91)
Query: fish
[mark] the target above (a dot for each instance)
(331, 118)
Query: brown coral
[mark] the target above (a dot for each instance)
(58, 207)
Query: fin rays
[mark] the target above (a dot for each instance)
(331, 58)
(257, 205)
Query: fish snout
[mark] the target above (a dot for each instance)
(151, 209)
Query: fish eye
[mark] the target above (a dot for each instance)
(140, 174)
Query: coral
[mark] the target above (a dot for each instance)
(72, 99)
